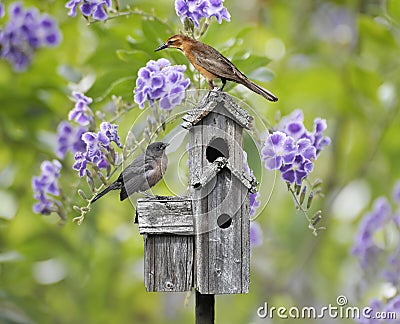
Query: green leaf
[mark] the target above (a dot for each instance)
(262, 74)
(132, 56)
(248, 64)
(154, 32)
(393, 9)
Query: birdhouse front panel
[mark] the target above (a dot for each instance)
(220, 205)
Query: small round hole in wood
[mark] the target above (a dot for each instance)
(224, 221)
(217, 148)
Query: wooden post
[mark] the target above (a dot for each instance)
(205, 308)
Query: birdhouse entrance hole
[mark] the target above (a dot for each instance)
(224, 221)
(217, 148)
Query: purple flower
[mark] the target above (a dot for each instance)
(94, 154)
(396, 193)
(254, 202)
(109, 131)
(296, 171)
(98, 148)
(216, 8)
(292, 149)
(80, 163)
(25, 32)
(302, 164)
(319, 139)
(295, 116)
(364, 247)
(393, 306)
(158, 80)
(306, 149)
(194, 10)
(392, 272)
(254, 197)
(81, 113)
(2, 13)
(376, 306)
(95, 8)
(256, 234)
(69, 138)
(44, 185)
(279, 149)
(335, 24)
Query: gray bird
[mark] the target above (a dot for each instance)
(142, 174)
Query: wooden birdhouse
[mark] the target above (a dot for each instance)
(203, 240)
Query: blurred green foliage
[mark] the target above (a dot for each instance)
(93, 273)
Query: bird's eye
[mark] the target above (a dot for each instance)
(170, 42)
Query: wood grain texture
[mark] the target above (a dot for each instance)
(165, 216)
(168, 262)
(167, 226)
(214, 99)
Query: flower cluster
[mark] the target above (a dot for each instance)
(335, 24)
(69, 138)
(365, 247)
(292, 149)
(98, 148)
(25, 32)
(81, 113)
(367, 250)
(158, 80)
(94, 8)
(377, 306)
(256, 234)
(392, 272)
(45, 185)
(194, 10)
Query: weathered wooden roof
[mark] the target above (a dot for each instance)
(213, 100)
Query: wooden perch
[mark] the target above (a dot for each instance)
(211, 171)
(165, 215)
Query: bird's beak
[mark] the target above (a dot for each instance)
(161, 47)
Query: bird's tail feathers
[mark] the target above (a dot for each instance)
(113, 186)
(123, 194)
(260, 90)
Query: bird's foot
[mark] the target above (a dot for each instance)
(216, 90)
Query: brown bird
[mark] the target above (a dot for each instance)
(143, 173)
(212, 64)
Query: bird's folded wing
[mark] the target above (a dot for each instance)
(217, 64)
(136, 176)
